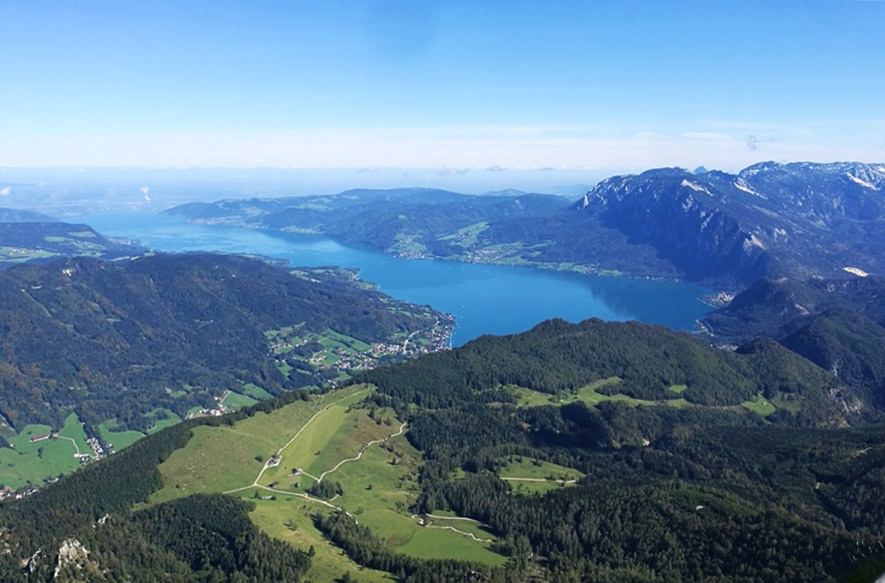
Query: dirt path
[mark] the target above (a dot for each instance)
(72, 440)
(462, 532)
(362, 450)
(539, 480)
(300, 431)
(359, 455)
(464, 518)
(423, 523)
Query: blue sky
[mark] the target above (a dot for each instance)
(451, 85)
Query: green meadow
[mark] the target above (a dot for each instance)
(329, 436)
(33, 463)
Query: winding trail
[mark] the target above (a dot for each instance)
(72, 440)
(423, 523)
(362, 450)
(462, 532)
(359, 455)
(298, 433)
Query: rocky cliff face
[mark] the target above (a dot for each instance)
(770, 219)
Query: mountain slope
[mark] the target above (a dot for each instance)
(556, 357)
(849, 345)
(23, 241)
(657, 491)
(775, 307)
(799, 219)
(116, 340)
(9, 215)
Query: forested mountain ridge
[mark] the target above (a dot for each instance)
(849, 345)
(773, 306)
(116, 340)
(670, 490)
(768, 220)
(412, 222)
(26, 240)
(837, 324)
(649, 362)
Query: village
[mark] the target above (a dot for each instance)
(352, 357)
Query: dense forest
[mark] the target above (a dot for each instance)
(838, 325)
(556, 357)
(120, 339)
(703, 489)
(671, 493)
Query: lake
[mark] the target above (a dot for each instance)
(485, 299)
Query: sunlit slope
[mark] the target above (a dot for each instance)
(359, 451)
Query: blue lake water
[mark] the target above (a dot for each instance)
(485, 299)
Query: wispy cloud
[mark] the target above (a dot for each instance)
(5, 191)
(447, 172)
(455, 150)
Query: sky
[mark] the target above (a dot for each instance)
(453, 87)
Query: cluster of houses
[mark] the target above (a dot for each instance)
(217, 411)
(96, 447)
(436, 339)
(7, 493)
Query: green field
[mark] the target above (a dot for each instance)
(236, 401)
(34, 463)
(526, 467)
(256, 392)
(162, 418)
(289, 519)
(528, 475)
(760, 405)
(332, 339)
(328, 436)
(223, 458)
(118, 438)
(335, 434)
(591, 395)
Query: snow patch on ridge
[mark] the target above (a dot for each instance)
(861, 182)
(740, 184)
(752, 241)
(694, 186)
(856, 271)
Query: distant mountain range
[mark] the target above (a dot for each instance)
(8, 215)
(799, 219)
(770, 219)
